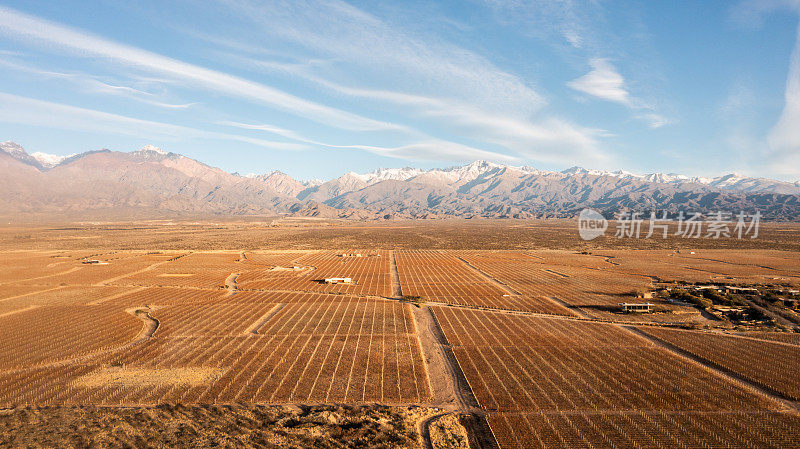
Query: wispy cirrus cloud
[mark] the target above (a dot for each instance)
(784, 138)
(21, 26)
(547, 139)
(94, 84)
(458, 91)
(779, 152)
(362, 44)
(428, 150)
(574, 22)
(29, 111)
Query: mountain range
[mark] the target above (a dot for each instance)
(151, 181)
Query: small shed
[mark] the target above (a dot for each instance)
(338, 280)
(628, 307)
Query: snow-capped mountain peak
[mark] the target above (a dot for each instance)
(152, 148)
(575, 170)
(42, 161)
(397, 174)
(50, 160)
(12, 148)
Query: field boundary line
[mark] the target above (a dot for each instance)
(32, 293)
(570, 307)
(411, 347)
(491, 279)
(314, 292)
(566, 276)
(787, 404)
(355, 357)
(116, 295)
(259, 323)
(554, 316)
(760, 340)
(18, 281)
(105, 282)
(347, 336)
(25, 309)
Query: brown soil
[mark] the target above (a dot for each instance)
(149, 377)
(216, 426)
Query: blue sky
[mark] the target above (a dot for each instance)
(315, 89)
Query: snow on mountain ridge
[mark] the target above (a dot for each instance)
(152, 148)
(12, 148)
(454, 175)
(722, 181)
(50, 160)
(42, 161)
(397, 174)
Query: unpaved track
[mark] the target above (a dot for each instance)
(449, 387)
(425, 429)
(397, 291)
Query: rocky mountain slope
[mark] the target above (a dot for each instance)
(150, 180)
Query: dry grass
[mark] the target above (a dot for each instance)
(214, 426)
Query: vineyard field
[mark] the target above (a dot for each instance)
(646, 430)
(520, 363)
(526, 347)
(771, 364)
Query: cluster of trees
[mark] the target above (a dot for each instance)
(707, 298)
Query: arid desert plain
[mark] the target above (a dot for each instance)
(457, 333)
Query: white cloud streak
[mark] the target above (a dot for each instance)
(545, 140)
(604, 82)
(18, 25)
(29, 111)
(784, 138)
(430, 150)
(92, 84)
(375, 49)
